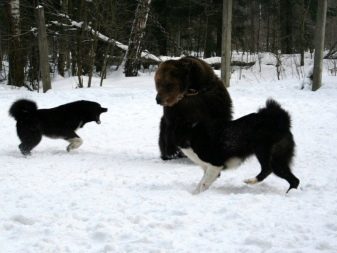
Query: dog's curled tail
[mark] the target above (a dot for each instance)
(276, 114)
(22, 108)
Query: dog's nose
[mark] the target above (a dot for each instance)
(158, 99)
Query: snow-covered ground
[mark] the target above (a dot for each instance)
(114, 194)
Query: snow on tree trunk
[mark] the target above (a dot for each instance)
(133, 54)
(16, 63)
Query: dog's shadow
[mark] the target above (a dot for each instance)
(259, 189)
(183, 160)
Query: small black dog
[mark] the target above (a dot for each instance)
(220, 144)
(60, 122)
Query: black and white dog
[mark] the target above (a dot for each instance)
(220, 144)
(60, 122)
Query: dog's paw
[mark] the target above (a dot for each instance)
(251, 180)
(166, 157)
(176, 155)
(24, 151)
(200, 188)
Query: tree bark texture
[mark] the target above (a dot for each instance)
(133, 53)
(15, 52)
(43, 49)
(226, 42)
(319, 44)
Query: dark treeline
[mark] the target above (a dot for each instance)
(84, 36)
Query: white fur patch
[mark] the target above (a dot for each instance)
(233, 162)
(251, 180)
(211, 172)
(74, 143)
(79, 125)
(195, 158)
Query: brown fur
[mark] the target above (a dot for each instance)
(189, 91)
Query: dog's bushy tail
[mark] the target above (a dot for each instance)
(276, 115)
(22, 108)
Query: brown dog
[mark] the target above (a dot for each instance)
(189, 91)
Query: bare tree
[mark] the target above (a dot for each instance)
(43, 49)
(133, 53)
(226, 42)
(319, 44)
(63, 47)
(15, 54)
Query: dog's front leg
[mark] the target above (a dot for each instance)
(211, 174)
(74, 143)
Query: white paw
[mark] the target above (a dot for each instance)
(251, 181)
(200, 188)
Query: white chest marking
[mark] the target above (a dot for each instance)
(195, 158)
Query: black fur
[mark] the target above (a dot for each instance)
(59, 122)
(266, 134)
(208, 100)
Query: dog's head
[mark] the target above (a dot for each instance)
(171, 81)
(101, 110)
(94, 112)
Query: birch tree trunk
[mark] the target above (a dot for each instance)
(15, 54)
(133, 54)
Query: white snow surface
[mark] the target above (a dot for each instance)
(114, 194)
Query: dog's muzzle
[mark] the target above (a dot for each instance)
(158, 99)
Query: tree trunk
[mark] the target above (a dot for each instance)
(268, 33)
(252, 26)
(319, 44)
(133, 54)
(209, 38)
(43, 49)
(259, 28)
(61, 61)
(81, 45)
(286, 26)
(226, 42)
(15, 52)
(302, 30)
(1, 55)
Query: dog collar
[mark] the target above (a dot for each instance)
(191, 92)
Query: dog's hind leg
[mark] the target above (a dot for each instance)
(263, 156)
(30, 137)
(74, 141)
(283, 153)
(285, 173)
(210, 175)
(27, 145)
